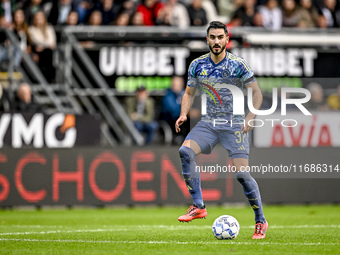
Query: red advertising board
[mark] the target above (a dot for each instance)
(151, 175)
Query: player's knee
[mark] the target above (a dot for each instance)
(186, 154)
(243, 176)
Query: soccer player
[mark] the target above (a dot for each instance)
(206, 73)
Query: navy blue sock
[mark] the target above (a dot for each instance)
(252, 192)
(191, 177)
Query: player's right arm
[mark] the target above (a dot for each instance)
(189, 95)
(187, 101)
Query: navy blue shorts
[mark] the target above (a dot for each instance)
(231, 138)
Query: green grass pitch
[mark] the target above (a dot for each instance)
(313, 229)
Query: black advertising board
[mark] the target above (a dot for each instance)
(125, 68)
(38, 130)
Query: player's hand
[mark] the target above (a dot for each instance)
(179, 122)
(246, 127)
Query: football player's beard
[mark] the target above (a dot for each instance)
(217, 53)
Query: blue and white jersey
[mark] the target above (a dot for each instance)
(205, 75)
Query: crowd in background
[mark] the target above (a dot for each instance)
(22, 101)
(271, 14)
(34, 21)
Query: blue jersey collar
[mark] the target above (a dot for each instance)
(212, 62)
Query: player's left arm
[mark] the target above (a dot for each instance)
(257, 101)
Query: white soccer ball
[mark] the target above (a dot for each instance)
(226, 227)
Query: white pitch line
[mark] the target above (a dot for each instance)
(173, 227)
(223, 242)
(188, 226)
(303, 226)
(61, 231)
(32, 226)
(151, 227)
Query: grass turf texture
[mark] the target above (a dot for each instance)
(292, 230)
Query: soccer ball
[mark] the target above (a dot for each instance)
(225, 227)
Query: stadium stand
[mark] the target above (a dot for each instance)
(79, 85)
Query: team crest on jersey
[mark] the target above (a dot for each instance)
(225, 73)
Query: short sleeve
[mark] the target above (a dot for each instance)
(246, 73)
(192, 78)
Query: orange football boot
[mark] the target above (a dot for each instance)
(193, 213)
(260, 230)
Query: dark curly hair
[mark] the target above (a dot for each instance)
(217, 24)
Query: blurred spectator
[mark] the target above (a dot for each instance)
(247, 12)
(3, 22)
(236, 21)
(141, 111)
(128, 5)
(7, 7)
(31, 7)
(24, 101)
(331, 14)
(310, 15)
(150, 10)
(5, 55)
(197, 14)
(258, 20)
(317, 101)
(271, 15)
(83, 7)
(72, 19)
(227, 8)
(173, 14)
(171, 106)
(59, 11)
(20, 29)
(109, 10)
(291, 16)
(322, 22)
(20, 3)
(123, 19)
(4, 100)
(95, 19)
(44, 42)
(171, 102)
(211, 12)
(137, 19)
(333, 100)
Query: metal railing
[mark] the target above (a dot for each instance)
(255, 35)
(118, 119)
(44, 93)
